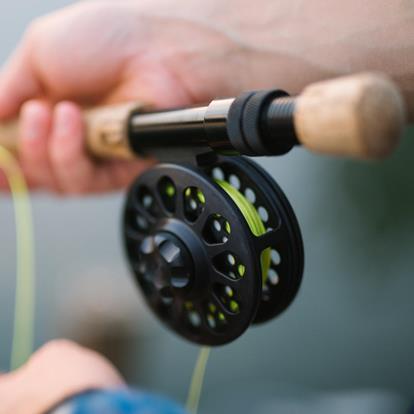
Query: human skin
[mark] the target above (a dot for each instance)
(173, 53)
(59, 370)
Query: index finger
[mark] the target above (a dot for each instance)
(18, 80)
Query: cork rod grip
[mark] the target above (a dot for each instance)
(106, 131)
(360, 116)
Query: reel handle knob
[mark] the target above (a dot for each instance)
(360, 116)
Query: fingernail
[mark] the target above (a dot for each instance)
(32, 125)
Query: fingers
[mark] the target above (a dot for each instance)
(52, 149)
(35, 127)
(53, 153)
(73, 168)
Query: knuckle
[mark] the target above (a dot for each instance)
(58, 345)
(52, 349)
(34, 28)
(26, 106)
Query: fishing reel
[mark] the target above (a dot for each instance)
(214, 247)
(214, 244)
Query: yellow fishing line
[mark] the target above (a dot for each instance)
(257, 227)
(197, 381)
(253, 220)
(23, 330)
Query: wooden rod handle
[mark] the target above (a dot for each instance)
(360, 116)
(106, 131)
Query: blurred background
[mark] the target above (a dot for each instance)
(346, 344)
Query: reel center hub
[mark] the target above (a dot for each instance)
(167, 262)
(168, 258)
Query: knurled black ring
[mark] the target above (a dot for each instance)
(252, 120)
(234, 124)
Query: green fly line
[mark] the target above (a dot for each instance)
(197, 380)
(23, 330)
(257, 227)
(253, 220)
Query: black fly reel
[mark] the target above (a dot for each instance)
(213, 248)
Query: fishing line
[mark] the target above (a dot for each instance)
(258, 228)
(23, 330)
(196, 385)
(253, 220)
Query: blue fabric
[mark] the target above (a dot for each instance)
(119, 402)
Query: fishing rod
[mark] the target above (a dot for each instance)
(210, 237)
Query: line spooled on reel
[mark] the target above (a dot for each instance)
(210, 237)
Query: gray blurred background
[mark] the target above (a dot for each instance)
(347, 343)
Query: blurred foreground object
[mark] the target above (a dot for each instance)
(56, 372)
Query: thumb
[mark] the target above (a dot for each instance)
(18, 81)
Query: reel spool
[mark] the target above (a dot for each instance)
(214, 248)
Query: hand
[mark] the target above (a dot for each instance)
(56, 372)
(177, 53)
(99, 53)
